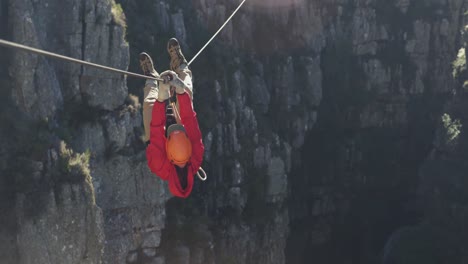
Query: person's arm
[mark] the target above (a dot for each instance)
(156, 150)
(189, 120)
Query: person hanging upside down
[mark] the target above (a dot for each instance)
(175, 153)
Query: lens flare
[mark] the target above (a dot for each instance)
(260, 26)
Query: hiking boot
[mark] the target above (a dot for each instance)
(147, 66)
(177, 58)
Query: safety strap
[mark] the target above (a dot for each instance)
(176, 112)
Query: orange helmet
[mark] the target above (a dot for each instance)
(178, 145)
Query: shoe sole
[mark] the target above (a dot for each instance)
(173, 45)
(146, 64)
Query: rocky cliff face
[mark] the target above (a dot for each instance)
(441, 233)
(322, 122)
(76, 186)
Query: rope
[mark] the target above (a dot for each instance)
(58, 56)
(217, 32)
(102, 67)
(176, 112)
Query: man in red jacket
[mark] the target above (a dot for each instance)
(175, 153)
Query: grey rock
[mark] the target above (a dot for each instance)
(179, 27)
(258, 68)
(313, 81)
(300, 126)
(97, 12)
(365, 31)
(120, 129)
(237, 174)
(69, 230)
(262, 156)
(181, 255)
(412, 236)
(403, 5)
(259, 157)
(277, 179)
(239, 240)
(162, 14)
(37, 169)
(219, 140)
(384, 115)
(276, 141)
(239, 245)
(236, 199)
(116, 248)
(445, 28)
(235, 145)
(158, 260)
(128, 228)
(243, 29)
(218, 89)
(31, 71)
(232, 108)
(299, 133)
(378, 76)
(151, 240)
(420, 43)
(132, 257)
(108, 49)
(238, 84)
(287, 156)
(367, 48)
(321, 233)
(208, 142)
(219, 18)
(106, 93)
(150, 252)
(132, 199)
(286, 91)
(312, 35)
(126, 183)
(316, 208)
(259, 94)
(90, 137)
(248, 122)
(197, 256)
(104, 44)
(418, 86)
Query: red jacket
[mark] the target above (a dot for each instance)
(156, 150)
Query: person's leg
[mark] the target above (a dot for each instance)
(179, 64)
(185, 74)
(150, 92)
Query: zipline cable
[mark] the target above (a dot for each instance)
(57, 56)
(217, 32)
(10, 44)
